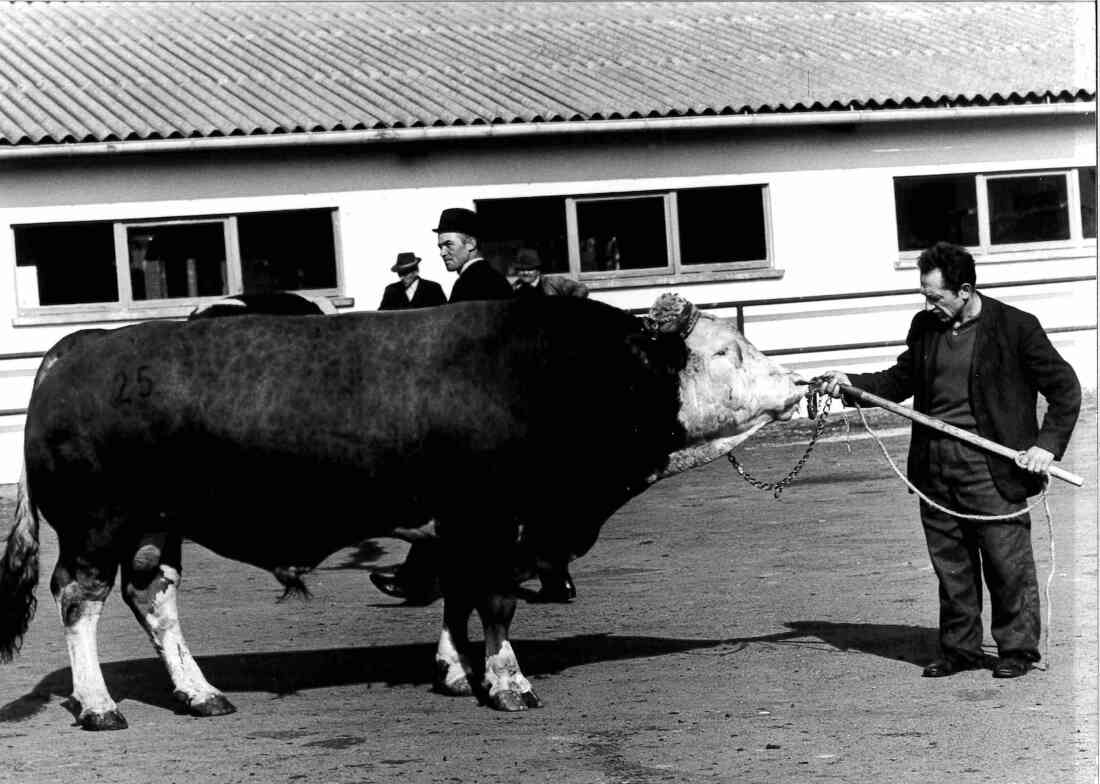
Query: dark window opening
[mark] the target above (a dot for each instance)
(1086, 179)
(1028, 209)
(622, 234)
(722, 225)
(71, 264)
(177, 261)
(512, 225)
(934, 209)
(287, 250)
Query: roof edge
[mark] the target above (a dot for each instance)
(515, 130)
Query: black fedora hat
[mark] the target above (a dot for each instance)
(527, 258)
(406, 262)
(459, 219)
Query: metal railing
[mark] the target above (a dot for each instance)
(740, 306)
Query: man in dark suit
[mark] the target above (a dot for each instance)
(457, 236)
(416, 580)
(412, 291)
(976, 363)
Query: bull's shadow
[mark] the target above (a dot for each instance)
(282, 673)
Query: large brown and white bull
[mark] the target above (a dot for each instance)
(278, 440)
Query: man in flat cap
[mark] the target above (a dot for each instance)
(412, 291)
(457, 237)
(531, 282)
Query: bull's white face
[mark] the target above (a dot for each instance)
(728, 387)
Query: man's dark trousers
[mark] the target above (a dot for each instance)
(962, 550)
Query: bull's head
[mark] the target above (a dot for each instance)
(728, 389)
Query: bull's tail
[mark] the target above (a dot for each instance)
(19, 574)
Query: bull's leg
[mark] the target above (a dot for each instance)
(452, 667)
(150, 587)
(506, 685)
(80, 588)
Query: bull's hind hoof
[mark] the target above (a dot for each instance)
(459, 687)
(111, 720)
(511, 701)
(217, 705)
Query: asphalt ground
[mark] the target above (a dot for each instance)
(719, 635)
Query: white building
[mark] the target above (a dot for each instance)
(154, 156)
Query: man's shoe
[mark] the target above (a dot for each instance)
(391, 584)
(1011, 667)
(949, 666)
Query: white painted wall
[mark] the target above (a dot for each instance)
(831, 202)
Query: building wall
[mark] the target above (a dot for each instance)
(831, 213)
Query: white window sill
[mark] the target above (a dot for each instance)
(684, 278)
(907, 260)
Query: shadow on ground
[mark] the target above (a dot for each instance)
(288, 672)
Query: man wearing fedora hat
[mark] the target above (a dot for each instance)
(416, 580)
(412, 291)
(457, 237)
(530, 281)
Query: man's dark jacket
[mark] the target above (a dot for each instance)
(428, 295)
(1013, 359)
(480, 281)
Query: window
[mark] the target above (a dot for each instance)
(72, 264)
(663, 235)
(117, 265)
(1086, 179)
(994, 213)
(512, 225)
(931, 209)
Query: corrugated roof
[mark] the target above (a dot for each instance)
(93, 72)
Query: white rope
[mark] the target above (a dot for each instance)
(1041, 500)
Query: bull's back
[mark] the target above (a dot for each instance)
(260, 422)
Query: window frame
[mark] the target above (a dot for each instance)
(676, 271)
(126, 308)
(988, 253)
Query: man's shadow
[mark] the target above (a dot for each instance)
(917, 645)
(284, 673)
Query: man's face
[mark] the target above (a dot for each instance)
(946, 304)
(455, 249)
(408, 277)
(528, 275)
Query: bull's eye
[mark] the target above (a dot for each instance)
(722, 352)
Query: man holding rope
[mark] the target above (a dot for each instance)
(976, 363)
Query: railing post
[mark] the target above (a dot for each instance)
(740, 318)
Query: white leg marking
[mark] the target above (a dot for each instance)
(502, 672)
(89, 688)
(453, 666)
(162, 622)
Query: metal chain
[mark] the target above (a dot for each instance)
(778, 487)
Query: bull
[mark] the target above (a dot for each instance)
(140, 436)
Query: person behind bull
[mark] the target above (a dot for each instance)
(416, 580)
(457, 238)
(530, 281)
(411, 291)
(976, 363)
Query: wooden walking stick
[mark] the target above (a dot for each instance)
(963, 435)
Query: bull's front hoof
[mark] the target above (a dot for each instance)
(217, 705)
(512, 701)
(95, 722)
